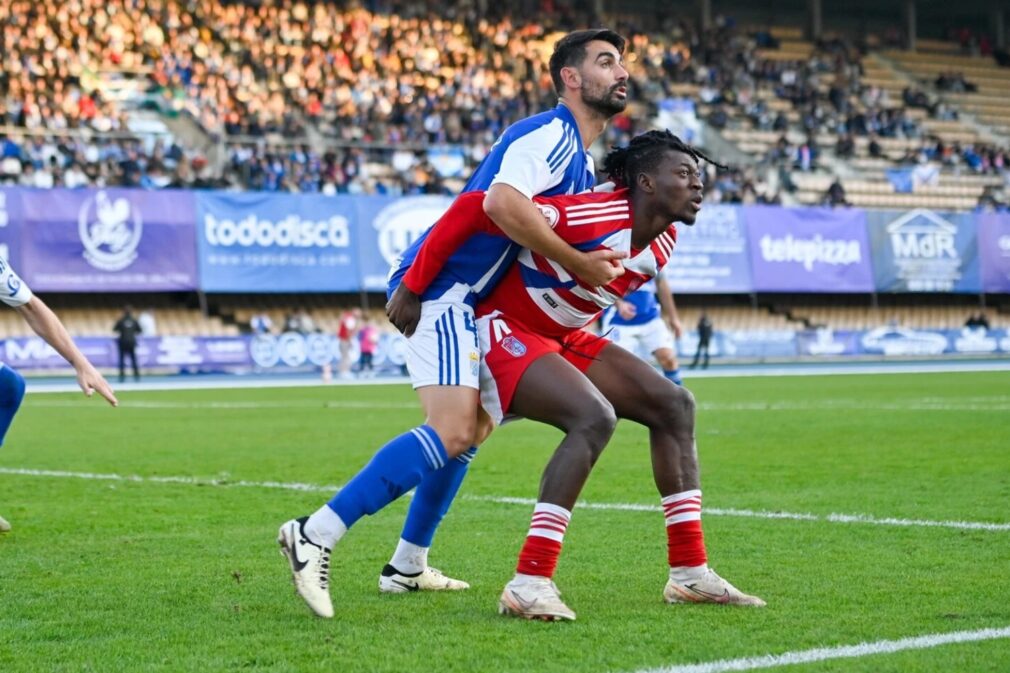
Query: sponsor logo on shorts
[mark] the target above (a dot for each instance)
(474, 363)
(515, 347)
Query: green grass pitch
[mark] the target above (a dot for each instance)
(141, 575)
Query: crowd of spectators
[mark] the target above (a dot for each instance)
(274, 81)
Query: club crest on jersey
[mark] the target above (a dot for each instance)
(550, 214)
(515, 347)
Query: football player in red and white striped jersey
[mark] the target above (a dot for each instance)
(539, 364)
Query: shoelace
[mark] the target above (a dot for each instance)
(324, 568)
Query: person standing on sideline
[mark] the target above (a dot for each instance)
(44, 323)
(127, 328)
(368, 341)
(704, 337)
(348, 329)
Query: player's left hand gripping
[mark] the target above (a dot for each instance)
(599, 267)
(404, 310)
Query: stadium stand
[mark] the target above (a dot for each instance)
(334, 97)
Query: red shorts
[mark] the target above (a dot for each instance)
(508, 348)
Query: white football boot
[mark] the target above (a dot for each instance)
(532, 597)
(392, 581)
(310, 566)
(4, 526)
(709, 588)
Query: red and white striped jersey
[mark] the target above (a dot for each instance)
(547, 298)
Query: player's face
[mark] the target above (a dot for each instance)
(678, 184)
(604, 80)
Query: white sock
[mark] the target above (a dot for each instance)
(521, 578)
(688, 573)
(325, 527)
(408, 558)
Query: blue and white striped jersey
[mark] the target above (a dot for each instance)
(13, 291)
(646, 307)
(539, 155)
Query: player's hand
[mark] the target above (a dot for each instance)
(599, 267)
(626, 309)
(676, 327)
(404, 310)
(91, 381)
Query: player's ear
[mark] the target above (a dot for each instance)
(645, 183)
(571, 76)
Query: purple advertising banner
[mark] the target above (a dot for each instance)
(994, 251)
(808, 249)
(262, 353)
(173, 352)
(711, 255)
(922, 250)
(108, 240)
(10, 227)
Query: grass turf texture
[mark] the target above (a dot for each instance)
(131, 576)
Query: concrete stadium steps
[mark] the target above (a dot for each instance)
(735, 318)
(844, 315)
(988, 104)
(91, 320)
(325, 310)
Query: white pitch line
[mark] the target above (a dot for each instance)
(219, 404)
(505, 500)
(996, 403)
(841, 652)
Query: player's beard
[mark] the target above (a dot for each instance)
(606, 103)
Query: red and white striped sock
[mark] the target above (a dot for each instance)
(684, 538)
(539, 555)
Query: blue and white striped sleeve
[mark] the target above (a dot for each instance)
(13, 291)
(537, 161)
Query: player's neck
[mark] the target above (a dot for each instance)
(590, 122)
(646, 223)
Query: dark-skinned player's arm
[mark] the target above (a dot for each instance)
(464, 218)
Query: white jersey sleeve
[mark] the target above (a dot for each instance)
(537, 161)
(13, 290)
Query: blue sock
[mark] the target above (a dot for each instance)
(432, 499)
(673, 375)
(12, 391)
(394, 469)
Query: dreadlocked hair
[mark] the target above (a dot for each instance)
(643, 154)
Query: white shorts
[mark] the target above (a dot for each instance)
(642, 340)
(444, 351)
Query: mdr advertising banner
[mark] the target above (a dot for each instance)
(924, 251)
(808, 249)
(264, 242)
(113, 240)
(387, 227)
(711, 255)
(994, 251)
